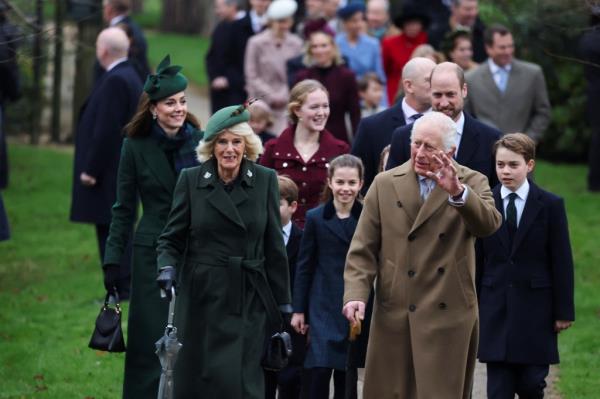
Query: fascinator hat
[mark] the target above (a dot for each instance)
(167, 81)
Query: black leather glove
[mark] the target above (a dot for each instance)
(111, 275)
(166, 280)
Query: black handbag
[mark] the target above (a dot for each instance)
(277, 351)
(108, 335)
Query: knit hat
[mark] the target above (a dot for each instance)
(225, 118)
(166, 82)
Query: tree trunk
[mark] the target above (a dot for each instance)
(137, 6)
(88, 29)
(185, 16)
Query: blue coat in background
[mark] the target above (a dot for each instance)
(526, 287)
(319, 284)
(98, 139)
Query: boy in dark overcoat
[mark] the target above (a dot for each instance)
(525, 275)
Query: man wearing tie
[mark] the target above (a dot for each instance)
(474, 140)
(415, 241)
(507, 93)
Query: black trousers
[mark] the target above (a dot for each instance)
(124, 282)
(289, 383)
(320, 378)
(504, 380)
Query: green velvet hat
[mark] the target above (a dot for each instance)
(224, 118)
(166, 82)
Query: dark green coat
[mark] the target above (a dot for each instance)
(144, 171)
(232, 278)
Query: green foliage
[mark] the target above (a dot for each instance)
(546, 32)
(149, 18)
(185, 50)
(50, 286)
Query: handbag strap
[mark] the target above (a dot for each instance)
(107, 302)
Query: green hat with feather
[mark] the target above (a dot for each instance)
(225, 118)
(167, 81)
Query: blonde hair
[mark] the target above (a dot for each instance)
(254, 148)
(337, 56)
(299, 93)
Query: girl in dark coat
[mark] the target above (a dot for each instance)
(319, 281)
(161, 141)
(326, 66)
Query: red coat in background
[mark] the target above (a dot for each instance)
(340, 82)
(396, 51)
(310, 177)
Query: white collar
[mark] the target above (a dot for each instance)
(239, 15)
(258, 22)
(115, 63)
(522, 192)
(117, 19)
(287, 229)
(460, 124)
(409, 111)
(494, 68)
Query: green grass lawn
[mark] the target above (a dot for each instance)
(50, 286)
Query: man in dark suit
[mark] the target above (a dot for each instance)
(217, 58)
(109, 107)
(235, 48)
(525, 274)
(375, 132)
(474, 139)
(116, 12)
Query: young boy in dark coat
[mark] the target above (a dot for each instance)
(289, 381)
(525, 275)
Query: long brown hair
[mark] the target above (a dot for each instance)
(341, 161)
(141, 122)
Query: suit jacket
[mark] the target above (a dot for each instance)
(527, 286)
(293, 250)
(319, 284)
(98, 139)
(232, 272)
(524, 107)
(474, 151)
(421, 258)
(373, 134)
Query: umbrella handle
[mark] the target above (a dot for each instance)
(171, 309)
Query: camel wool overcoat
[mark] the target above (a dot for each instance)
(421, 256)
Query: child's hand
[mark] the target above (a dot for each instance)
(298, 323)
(560, 325)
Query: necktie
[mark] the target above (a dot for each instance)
(414, 117)
(511, 215)
(502, 79)
(426, 186)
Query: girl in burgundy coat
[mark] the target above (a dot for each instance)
(326, 66)
(303, 150)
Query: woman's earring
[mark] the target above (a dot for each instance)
(154, 116)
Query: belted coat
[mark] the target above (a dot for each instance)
(421, 255)
(232, 273)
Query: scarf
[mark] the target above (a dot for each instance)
(179, 149)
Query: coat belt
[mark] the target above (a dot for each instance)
(238, 270)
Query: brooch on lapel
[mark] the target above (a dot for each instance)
(207, 175)
(249, 173)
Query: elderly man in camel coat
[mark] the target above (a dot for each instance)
(415, 241)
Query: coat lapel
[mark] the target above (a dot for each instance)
(490, 83)
(468, 142)
(532, 207)
(502, 231)
(436, 199)
(331, 222)
(407, 191)
(157, 163)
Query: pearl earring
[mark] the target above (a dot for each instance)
(154, 116)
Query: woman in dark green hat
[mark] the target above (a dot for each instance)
(224, 240)
(161, 141)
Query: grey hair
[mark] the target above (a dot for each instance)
(386, 4)
(442, 123)
(254, 148)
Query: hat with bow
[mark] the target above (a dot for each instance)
(167, 80)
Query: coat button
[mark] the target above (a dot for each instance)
(285, 165)
(412, 308)
(442, 305)
(412, 236)
(399, 204)
(411, 273)
(276, 153)
(441, 270)
(304, 168)
(442, 236)
(303, 200)
(303, 184)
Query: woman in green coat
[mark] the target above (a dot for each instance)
(224, 240)
(161, 141)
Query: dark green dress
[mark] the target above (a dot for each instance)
(232, 278)
(144, 171)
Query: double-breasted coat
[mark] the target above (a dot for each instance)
(526, 287)
(144, 172)
(265, 71)
(310, 177)
(319, 284)
(423, 336)
(233, 274)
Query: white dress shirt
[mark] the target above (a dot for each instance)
(115, 63)
(258, 21)
(495, 70)
(116, 20)
(522, 193)
(287, 231)
(409, 112)
(460, 126)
